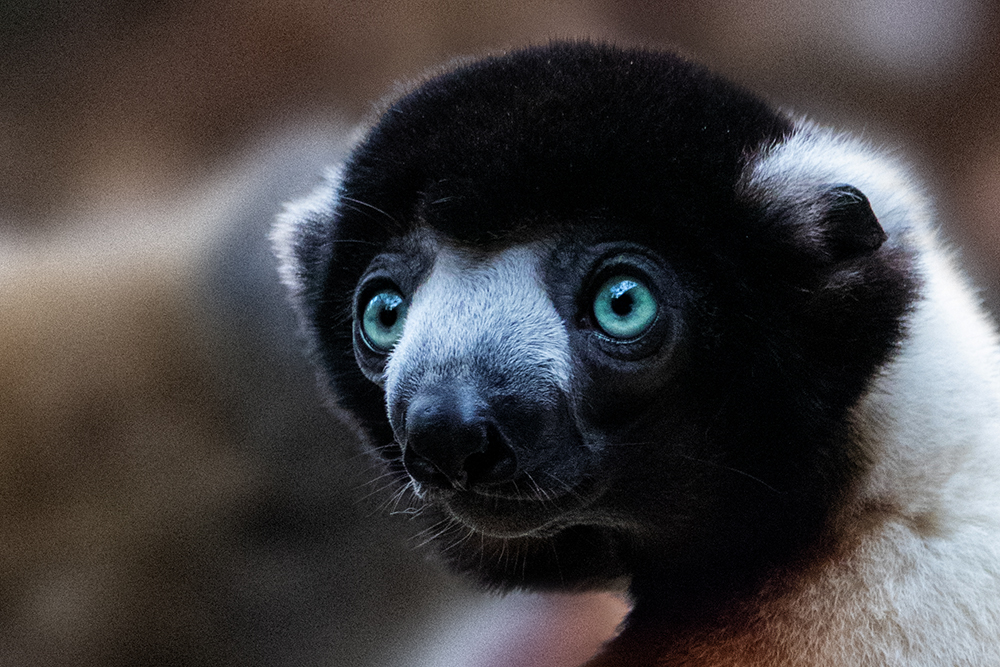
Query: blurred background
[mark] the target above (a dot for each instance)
(171, 489)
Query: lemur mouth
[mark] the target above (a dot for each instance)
(538, 513)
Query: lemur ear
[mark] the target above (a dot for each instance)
(849, 226)
(830, 223)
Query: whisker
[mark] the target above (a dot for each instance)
(375, 480)
(716, 464)
(566, 487)
(538, 492)
(377, 491)
(732, 469)
(469, 532)
(358, 202)
(448, 524)
(409, 492)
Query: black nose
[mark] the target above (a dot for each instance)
(452, 442)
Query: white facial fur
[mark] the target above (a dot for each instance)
(475, 310)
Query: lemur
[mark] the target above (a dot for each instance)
(606, 317)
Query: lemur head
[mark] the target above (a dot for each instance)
(600, 314)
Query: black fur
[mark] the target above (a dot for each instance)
(716, 456)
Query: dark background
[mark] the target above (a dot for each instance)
(171, 492)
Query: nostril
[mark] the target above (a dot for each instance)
(495, 463)
(427, 473)
(451, 444)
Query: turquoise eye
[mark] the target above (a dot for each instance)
(382, 321)
(624, 308)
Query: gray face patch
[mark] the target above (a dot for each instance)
(481, 319)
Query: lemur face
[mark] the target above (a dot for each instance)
(582, 332)
(494, 364)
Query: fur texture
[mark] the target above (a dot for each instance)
(791, 462)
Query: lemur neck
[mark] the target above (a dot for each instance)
(935, 410)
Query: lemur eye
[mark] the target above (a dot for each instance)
(382, 321)
(624, 308)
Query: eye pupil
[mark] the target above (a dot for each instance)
(622, 305)
(388, 317)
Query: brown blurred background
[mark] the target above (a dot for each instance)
(171, 492)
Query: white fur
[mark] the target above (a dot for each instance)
(299, 219)
(491, 309)
(913, 578)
